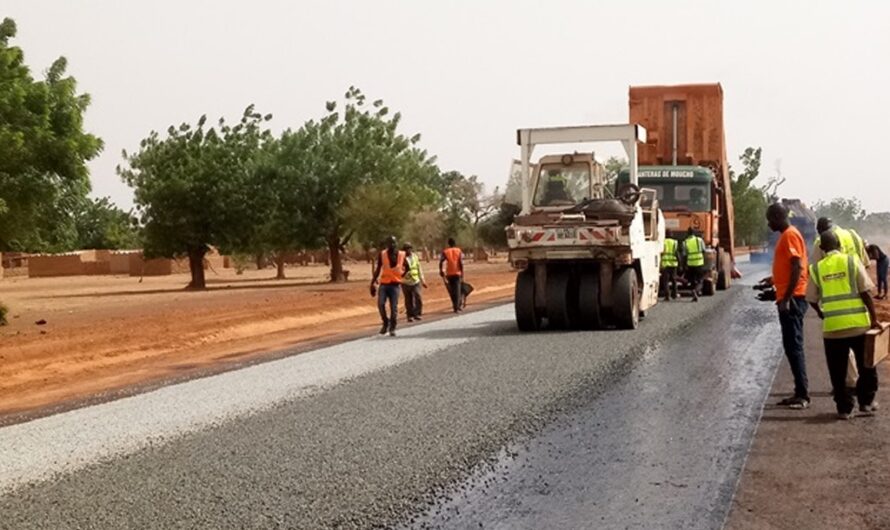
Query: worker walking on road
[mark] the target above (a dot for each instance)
(453, 261)
(883, 263)
(670, 260)
(694, 261)
(413, 284)
(838, 291)
(790, 280)
(390, 269)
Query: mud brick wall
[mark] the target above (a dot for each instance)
(58, 265)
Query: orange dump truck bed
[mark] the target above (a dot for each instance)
(700, 138)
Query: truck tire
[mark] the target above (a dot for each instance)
(626, 299)
(527, 318)
(589, 314)
(560, 309)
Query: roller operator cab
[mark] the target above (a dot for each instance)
(690, 198)
(587, 257)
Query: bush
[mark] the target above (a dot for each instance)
(3, 311)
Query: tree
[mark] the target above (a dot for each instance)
(357, 150)
(749, 201)
(613, 166)
(426, 230)
(197, 187)
(43, 151)
(102, 225)
(847, 213)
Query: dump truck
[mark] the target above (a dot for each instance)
(585, 259)
(684, 161)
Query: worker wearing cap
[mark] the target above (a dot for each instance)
(451, 267)
(391, 267)
(413, 284)
(852, 245)
(838, 290)
(694, 261)
(670, 260)
(851, 242)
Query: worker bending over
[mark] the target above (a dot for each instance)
(838, 292)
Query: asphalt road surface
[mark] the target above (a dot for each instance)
(459, 423)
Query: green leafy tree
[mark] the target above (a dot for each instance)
(356, 150)
(845, 212)
(749, 200)
(197, 187)
(43, 151)
(102, 225)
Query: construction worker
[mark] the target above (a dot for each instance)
(875, 253)
(790, 280)
(391, 267)
(852, 245)
(413, 284)
(838, 292)
(670, 260)
(851, 242)
(453, 272)
(694, 261)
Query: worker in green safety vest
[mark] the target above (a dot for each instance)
(412, 284)
(670, 260)
(838, 289)
(694, 261)
(851, 242)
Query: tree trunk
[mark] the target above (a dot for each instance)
(279, 262)
(196, 265)
(337, 275)
(260, 261)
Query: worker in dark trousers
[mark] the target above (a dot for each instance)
(669, 263)
(790, 281)
(391, 267)
(694, 259)
(838, 290)
(875, 253)
(413, 284)
(451, 267)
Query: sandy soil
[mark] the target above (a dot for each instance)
(808, 470)
(107, 333)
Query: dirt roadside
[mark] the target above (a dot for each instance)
(806, 469)
(103, 334)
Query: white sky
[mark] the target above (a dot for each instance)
(808, 81)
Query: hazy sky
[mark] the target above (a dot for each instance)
(807, 81)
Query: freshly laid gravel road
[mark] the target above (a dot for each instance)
(363, 434)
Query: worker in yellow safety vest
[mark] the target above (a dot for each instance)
(851, 242)
(413, 284)
(670, 260)
(390, 269)
(838, 289)
(694, 261)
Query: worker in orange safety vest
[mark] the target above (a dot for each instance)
(391, 268)
(451, 267)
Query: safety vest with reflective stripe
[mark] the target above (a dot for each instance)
(413, 276)
(842, 305)
(695, 251)
(388, 273)
(452, 261)
(851, 243)
(669, 254)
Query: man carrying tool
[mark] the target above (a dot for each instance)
(669, 263)
(790, 281)
(413, 284)
(838, 292)
(390, 268)
(694, 261)
(453, 260)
